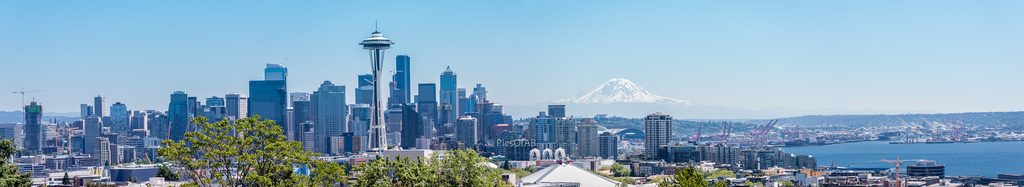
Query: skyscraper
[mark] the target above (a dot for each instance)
(268, 98)
(302, 112)
(466, 131)
(364, 91)
(33, 128)
(542, 129)
(98, 106)
(565, 134)
(449, 97)
(658, 128)
(402, 92)
(119, 118)
(86, 111)
(557, 111)
(376, 44)
(330, 115)
(215, 109)
(139, 120)
(275, 72)
(359, 120)
(159, 124)
(177, 113)
(480, 93)
(412, 126)
(587, 138)
(608, 145)
(426, 101)
(236, 106)
(92, 129)
(465, 105)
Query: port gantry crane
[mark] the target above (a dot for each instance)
(759, 136)
(726, 128)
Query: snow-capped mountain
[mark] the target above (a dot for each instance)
(620, 90)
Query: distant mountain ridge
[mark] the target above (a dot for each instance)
(19, 117)
(984, 119)
(621, 90)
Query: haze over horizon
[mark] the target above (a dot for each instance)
(867, 56)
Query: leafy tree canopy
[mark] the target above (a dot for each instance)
(248, 152)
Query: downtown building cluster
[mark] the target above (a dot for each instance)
(438, 116)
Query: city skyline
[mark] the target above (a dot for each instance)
(838, 60)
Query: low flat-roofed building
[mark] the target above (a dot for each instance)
(563, 175)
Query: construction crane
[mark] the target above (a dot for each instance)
(23, 92)
(896, 162)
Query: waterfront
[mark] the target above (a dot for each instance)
(984, 158)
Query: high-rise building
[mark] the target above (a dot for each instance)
(236, 106)
(401, 94)
(87, 111)
(480, 93)
(33, 128)
(359, 119)
(159, 124)
(542, 129)
(376, 44)
(426, 101)
(269, 100)
(119, 118)
(178, 115)
(565, 134)
(302, 112)
(608, 144)
(139, 120)
(449, 97)
(98, 106)
(412, 127)
(587, 138)
(557, 111)
(466, 131)
(330, 115)
(658, 130)
(92, 129)
(215, 109)
(465, 105)
(275, 72)
(364, 91)
(194, 107)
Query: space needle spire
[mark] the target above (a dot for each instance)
(376, 44)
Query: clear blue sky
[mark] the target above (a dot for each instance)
(927, 55)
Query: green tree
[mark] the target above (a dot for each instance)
(757, 184)
(721, 183)
(66, 180)
(626, 180)
(457, 168)
(619, 170)
(684, 177)
(166, 173)
(9, 173)
(720, 173)
(248, 152)
(787, 183)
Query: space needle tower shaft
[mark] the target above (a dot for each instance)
(377, 44)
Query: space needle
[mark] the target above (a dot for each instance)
(376, 44)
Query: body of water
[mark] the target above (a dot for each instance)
(984, 158)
